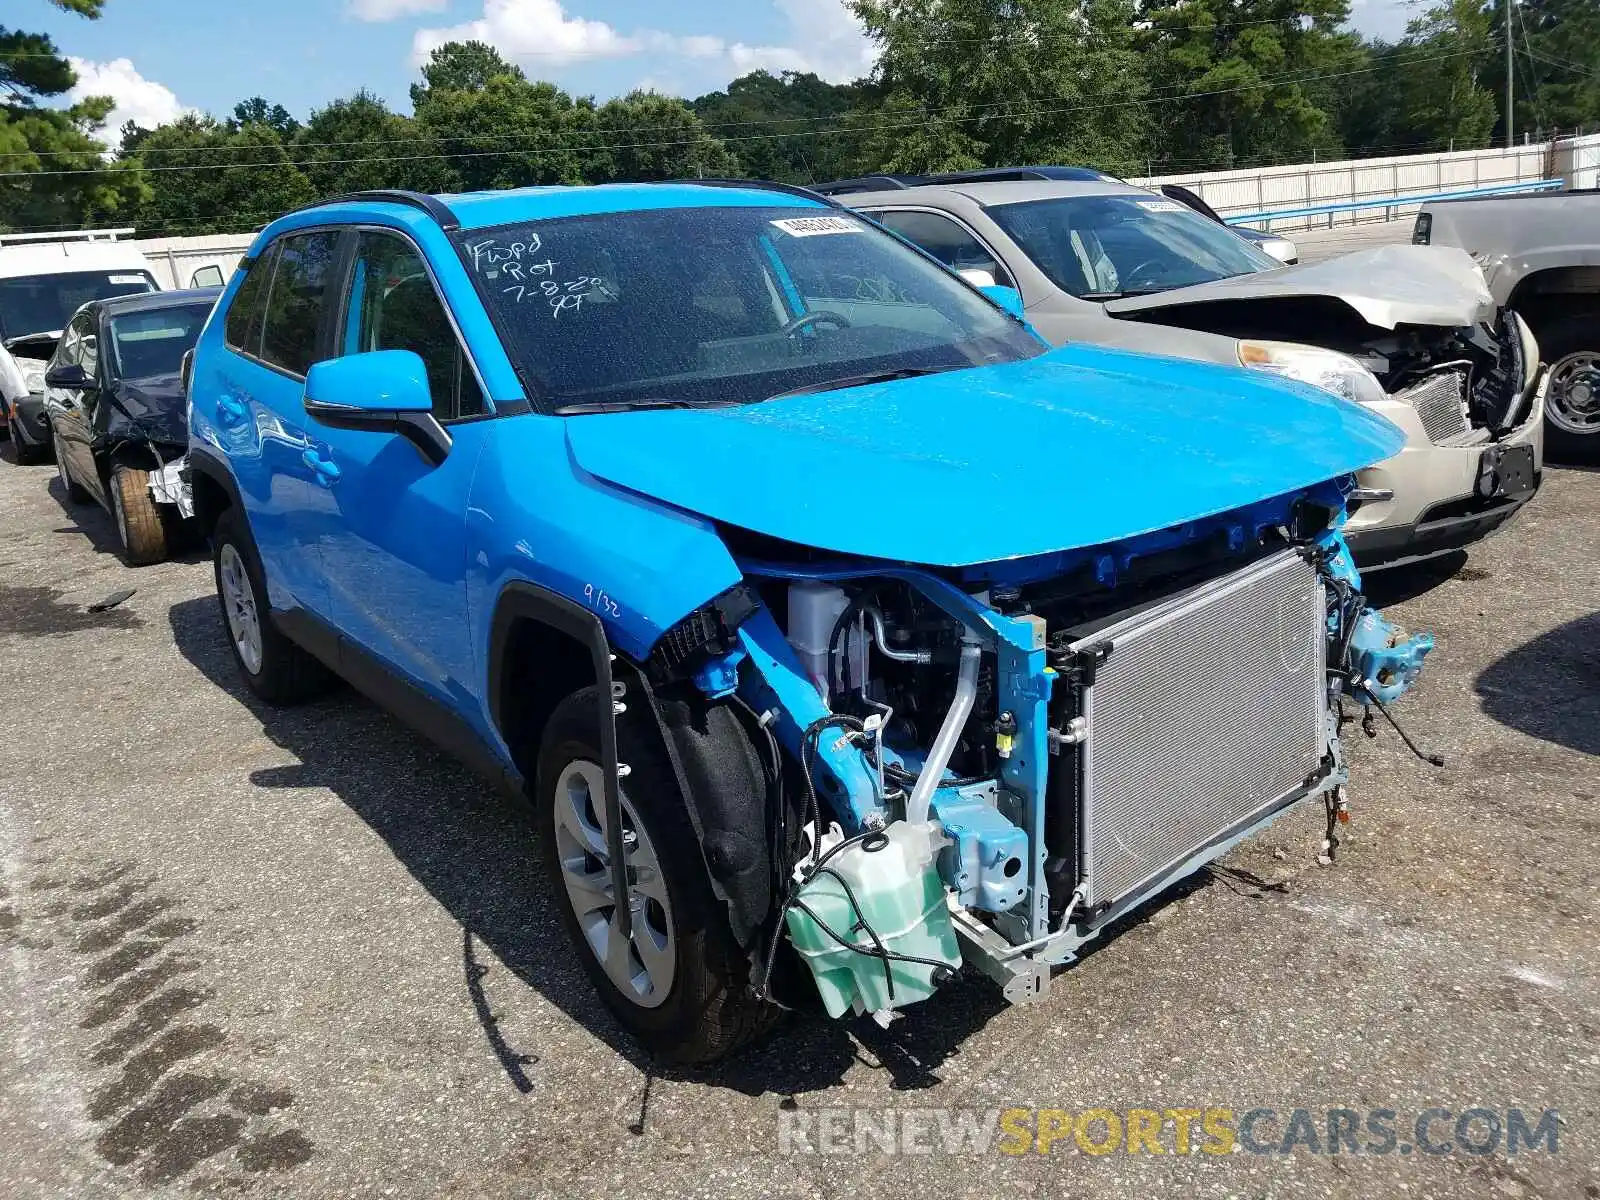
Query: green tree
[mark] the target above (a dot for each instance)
(211, 177)
(256, 111)
(794, 127)
(1440, 96)
(1245, 81)
(647, 136)
(461, 67)
(968, 83)
(1557, 70)
(53, 173)
(357, 144)
(509, 133)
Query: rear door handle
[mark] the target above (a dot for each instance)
(326, 470)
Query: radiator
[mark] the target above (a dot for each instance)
(1208, 712)
(1441, 402)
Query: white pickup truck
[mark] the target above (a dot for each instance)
(1540, 255)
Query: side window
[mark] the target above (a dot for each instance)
(947, 241)
(393, 307)
(242, 329)
(207, 276)
(67, 348)
(88, 345)
(296, 301)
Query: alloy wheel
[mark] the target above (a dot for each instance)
(642, 965)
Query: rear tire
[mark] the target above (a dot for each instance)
(28, 454)
(139, 525)
(274, 668)
(684, 993)
(1571, 345)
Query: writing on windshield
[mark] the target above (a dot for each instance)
(519, 268)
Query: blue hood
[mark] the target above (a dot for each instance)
(1078, 447)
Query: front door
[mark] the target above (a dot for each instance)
(71, 410)
(395, 555)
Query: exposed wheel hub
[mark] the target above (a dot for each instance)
(1573, 401)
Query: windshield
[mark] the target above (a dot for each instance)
(723, 306)
(45, 303)
(1123, 245)
(147, 344)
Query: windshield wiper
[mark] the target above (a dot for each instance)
(584, 407)
(850, 381)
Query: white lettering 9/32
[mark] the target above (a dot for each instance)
(600, 602)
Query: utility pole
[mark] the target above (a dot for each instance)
(1510, 135)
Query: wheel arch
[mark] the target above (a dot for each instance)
(716, 767)
(213, 488)
(1550, 291)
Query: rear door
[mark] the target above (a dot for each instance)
(278, 324)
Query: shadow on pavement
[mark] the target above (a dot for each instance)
(1549, 688)
(1399, 584)
(472, 848)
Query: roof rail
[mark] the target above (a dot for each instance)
(867, 183)
(432, 205)
(76, 235)
(1008, 174)
(761, 185)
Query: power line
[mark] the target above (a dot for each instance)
(1027, 108)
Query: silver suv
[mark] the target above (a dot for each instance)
(1410, 332)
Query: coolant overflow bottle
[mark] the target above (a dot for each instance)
(899, 897)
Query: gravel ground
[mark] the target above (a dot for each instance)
(299, 953)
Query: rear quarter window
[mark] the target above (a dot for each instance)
(242, 328)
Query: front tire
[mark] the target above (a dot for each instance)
(139, 524)
(1571, 346)
(680, 984)
(276, 669)
(76, 492)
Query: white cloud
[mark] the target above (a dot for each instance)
(538, 31)
(824, 37)
(136, 98)
(388, 10)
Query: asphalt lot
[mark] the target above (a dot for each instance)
(299, 953)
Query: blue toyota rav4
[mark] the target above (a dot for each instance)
(839, 632)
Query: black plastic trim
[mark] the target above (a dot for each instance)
(421, 429)
(392, 692)
(432, 205)
(526, 600)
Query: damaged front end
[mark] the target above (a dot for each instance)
(992, 764)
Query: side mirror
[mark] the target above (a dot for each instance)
(382, 391)
(1007, 298)
(977, 277)
(67, 375)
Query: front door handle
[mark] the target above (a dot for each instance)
(326, 470)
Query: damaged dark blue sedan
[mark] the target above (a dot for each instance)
(118, 414)
(839, 632)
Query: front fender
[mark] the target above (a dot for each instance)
(532, 515)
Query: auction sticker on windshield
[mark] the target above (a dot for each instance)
(1159, 205)
(812, 226)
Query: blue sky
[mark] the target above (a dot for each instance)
(159, 57)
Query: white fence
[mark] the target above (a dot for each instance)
(1309, 185)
